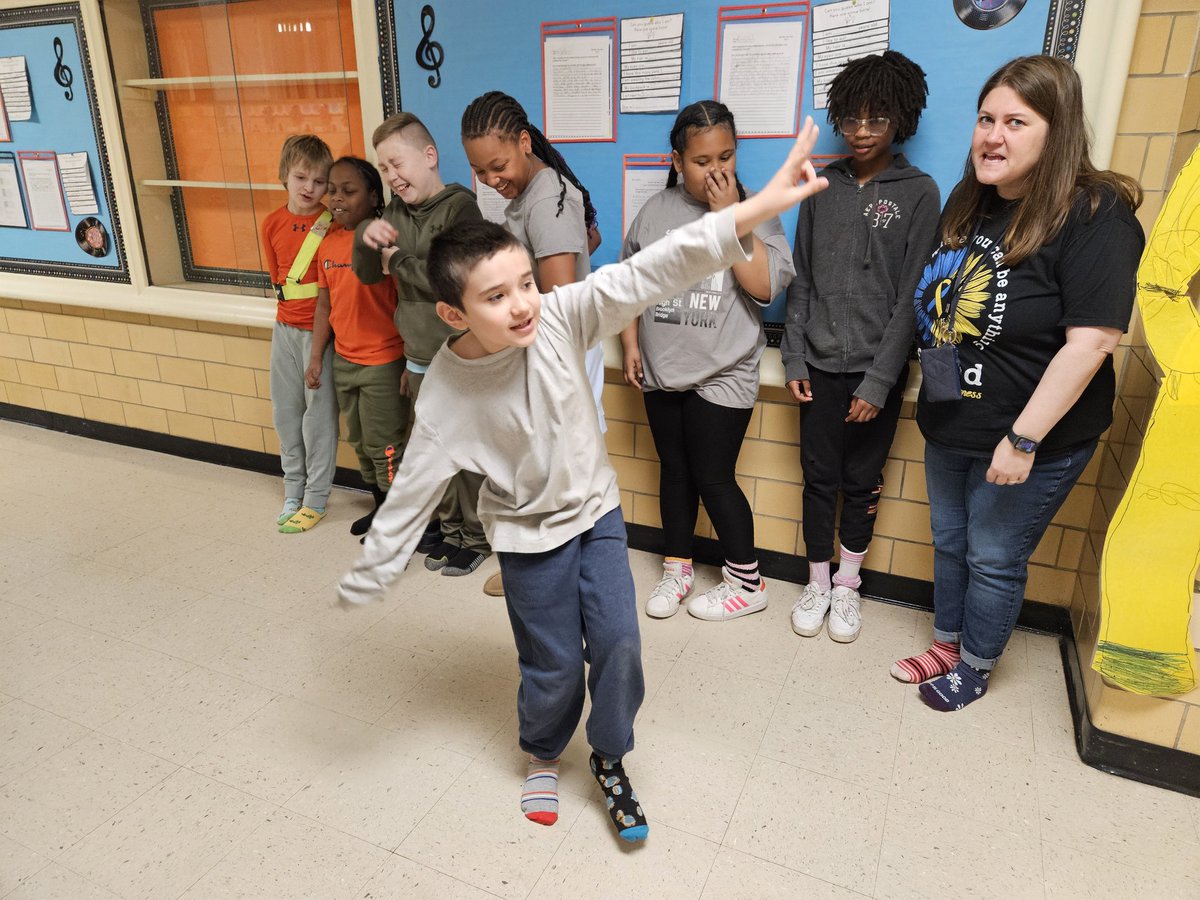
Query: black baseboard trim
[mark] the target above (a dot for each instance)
(1044, 618)
(188, 448)
(1162, 767)
(1150, 764)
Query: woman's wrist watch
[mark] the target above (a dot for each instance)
(1023, 444)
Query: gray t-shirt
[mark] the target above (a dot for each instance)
(513, 416)
(535, 220)
(708, 338)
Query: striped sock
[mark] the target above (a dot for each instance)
(539, 799)
(678, 566)
(818, 574)
(746, 573)
(937, 660)
(848, 568)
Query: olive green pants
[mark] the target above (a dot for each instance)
(458, 510)
(377, 416)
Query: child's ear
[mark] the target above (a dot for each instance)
(677, 161)
(431, 156)
(451, 315)
(525, 142)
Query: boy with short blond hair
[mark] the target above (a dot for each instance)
(306, 420)
(508, 396)
(397, 243)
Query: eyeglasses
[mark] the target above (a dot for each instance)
(876, 125)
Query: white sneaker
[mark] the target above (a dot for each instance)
(845, 618)
(667, 595)
(808, 613)
(729, 599)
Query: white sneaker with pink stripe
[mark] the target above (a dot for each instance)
(728, 599)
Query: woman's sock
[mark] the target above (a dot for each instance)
(539, 799)
(818, 573)
(849, 565)
(746, 573)
(937, 660)
(620, 799)
(961, 685)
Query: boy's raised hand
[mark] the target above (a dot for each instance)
(379, 234)
(795, 181)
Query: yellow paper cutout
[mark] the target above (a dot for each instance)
(1152, 549)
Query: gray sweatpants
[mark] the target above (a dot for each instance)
(458, 511)
(305, 420)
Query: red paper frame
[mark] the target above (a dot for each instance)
(569, 29)
(5, 125)
(639, 161)
(40, 156)
(760, 11)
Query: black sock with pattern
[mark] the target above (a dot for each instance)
(620, 799)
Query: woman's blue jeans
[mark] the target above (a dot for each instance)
(983, 536)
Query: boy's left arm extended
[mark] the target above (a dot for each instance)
(417, 488)
(900, 332)
(612, 296)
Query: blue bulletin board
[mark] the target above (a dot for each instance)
(62, 124)
(482, 50)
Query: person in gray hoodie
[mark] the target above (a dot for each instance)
(850, 323)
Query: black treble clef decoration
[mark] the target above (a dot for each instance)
(430, 54)
(62, 72)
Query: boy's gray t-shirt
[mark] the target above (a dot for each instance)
(534, 219)
(710, 337)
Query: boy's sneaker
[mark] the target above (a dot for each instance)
(808, 613)
(667, 595)
(845, 617)
(431, 537)
(729, 599)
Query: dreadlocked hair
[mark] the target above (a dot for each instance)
(889, 84)
(497, 113)
(370, 174)
(700, 116)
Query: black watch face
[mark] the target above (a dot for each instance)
(985, 14)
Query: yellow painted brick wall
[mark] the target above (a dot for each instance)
(190, 379)
(1158, 129)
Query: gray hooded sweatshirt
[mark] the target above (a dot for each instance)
(859, 254)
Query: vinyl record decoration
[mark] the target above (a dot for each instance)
(92, 236)
(986, 14)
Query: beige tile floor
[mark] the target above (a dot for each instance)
(182, 714)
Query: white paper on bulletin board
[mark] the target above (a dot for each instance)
(12, 211)
(14, 84)
(651, 63)
(641, 183)
(760, 75)
(577, 80)
(491, 204)
(842, 32)
(43, 190)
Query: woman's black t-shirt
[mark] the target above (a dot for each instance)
(1012, 321)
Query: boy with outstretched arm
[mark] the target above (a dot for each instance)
(516, 386)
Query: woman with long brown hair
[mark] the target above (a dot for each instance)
(1018, 313)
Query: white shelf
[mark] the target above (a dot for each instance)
(161, 84)
(220, 185)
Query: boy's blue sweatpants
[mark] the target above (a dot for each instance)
(568, 606)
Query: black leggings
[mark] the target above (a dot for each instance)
(698, 444)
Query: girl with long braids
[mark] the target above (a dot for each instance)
(368, 357)
(695, 357)
(549, 210)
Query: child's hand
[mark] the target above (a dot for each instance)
(796, 180)
(404, 388)
(379, 234)
(312, 375)
(801, 390)
(633, 368)
(862, 411)
(593, 238)
(720, 189)
(385, 257)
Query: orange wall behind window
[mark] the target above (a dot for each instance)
(233, 134)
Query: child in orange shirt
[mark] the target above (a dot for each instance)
(305, 418)
(368, 359)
